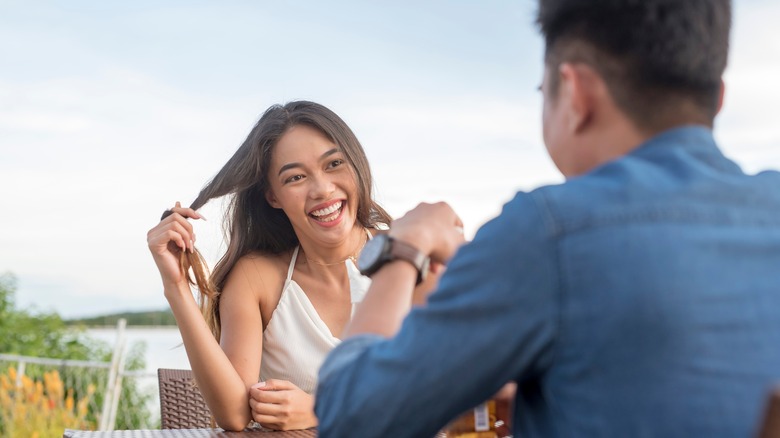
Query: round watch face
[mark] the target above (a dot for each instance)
(371, 253)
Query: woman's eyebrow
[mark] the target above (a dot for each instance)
(322, 157)
(289, 166)
(329, 153)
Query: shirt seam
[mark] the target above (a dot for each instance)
(555, 232)
(653, 214)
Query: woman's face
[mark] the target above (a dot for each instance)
(312, 182)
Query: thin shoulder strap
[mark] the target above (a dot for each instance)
(292, 263)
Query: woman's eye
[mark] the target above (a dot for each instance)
(293, 178)
(336, 163)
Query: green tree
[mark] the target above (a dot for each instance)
(43, 335)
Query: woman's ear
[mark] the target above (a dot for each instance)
(271, 198)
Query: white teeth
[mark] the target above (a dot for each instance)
(327, 211)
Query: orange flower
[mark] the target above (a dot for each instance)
(69, 401)
(38, 409)
(5, 383)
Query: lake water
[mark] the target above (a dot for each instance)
(163, 345)
(163, 350)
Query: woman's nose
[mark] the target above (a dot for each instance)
(321, 187)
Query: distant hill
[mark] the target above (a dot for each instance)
(149, 318)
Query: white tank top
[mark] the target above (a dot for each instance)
(296, 340)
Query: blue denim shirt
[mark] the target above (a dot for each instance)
(641, 299)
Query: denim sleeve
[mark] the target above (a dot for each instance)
(345, 353)
(493, 319)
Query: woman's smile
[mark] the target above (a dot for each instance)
(328, 215)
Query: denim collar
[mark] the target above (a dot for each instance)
(694, 140)
(690, 136)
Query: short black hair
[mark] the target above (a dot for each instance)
(653, 54)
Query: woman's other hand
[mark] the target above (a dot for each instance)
(168, 239)
(280, 405)
(422, 290)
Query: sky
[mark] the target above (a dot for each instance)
(112, 111)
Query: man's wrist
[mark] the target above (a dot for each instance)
(417, 240)
(397, 268)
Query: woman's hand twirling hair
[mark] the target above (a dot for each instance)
(254, 225)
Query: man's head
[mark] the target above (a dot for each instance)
(660, 61)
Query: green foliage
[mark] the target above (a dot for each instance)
(43, 335)
(47, 335)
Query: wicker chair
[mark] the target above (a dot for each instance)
(181, 404)
(770, 428)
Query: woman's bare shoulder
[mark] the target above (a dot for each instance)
(266, 262)
(261, 273)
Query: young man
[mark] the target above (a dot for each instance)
(639, 298)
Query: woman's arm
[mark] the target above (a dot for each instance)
(227, 370)
(223, 376)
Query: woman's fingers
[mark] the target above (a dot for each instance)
(159, 238)
(186, 212)
(275, 385)
(178, 222)
(275, 397)
(272, 391)
(267, 421)
(279, 404)
(269, 414)
(173, 236)
(265, 407)
(184, 228)
(172, 231)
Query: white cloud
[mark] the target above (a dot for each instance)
(747, 126)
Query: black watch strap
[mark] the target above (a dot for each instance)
(383, 249)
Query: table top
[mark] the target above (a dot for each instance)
(191, 433)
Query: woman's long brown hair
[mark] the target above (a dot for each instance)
(251, 223)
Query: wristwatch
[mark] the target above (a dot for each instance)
(383, 249)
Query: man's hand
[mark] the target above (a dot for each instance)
(434, 229)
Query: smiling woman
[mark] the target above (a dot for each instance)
(300, 185)
(319, 188)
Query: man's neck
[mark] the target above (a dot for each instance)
(617, 139)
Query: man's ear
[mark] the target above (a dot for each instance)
(271, 198)
(720, 96)
(577, 88)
